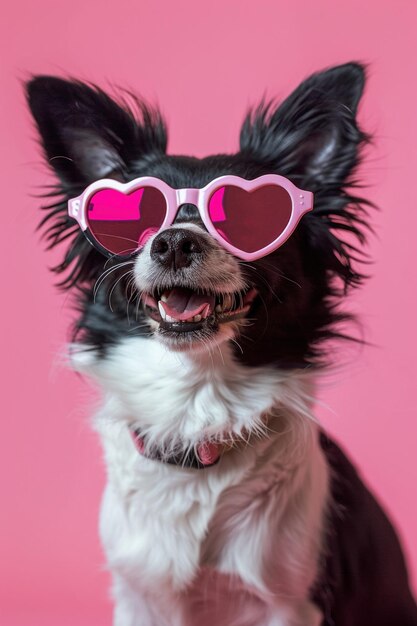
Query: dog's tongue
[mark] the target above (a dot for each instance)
(183, 304)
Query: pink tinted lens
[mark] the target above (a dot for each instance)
(120, 222)
(250, 220)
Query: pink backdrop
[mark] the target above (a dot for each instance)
(204, 63)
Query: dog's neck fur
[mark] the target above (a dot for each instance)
(219, 519)
(187, 397)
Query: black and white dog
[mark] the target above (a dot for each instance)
(226, 503)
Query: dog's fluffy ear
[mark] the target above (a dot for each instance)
(86, 135)
(312, 137)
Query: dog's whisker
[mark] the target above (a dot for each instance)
(238, 345)
(106, 274)
(130, 293)
(114, 287)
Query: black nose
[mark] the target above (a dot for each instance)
(177, 248)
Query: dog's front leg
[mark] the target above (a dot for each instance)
(130, 608)
(133, 608)
(140, 564)
(305, 614)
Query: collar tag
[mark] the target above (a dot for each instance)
(203, 455)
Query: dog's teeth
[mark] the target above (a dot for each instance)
(227, 301)
(205, 312)
(219, 308)
(168, 318)
(162, 311)
(197, 318)
(164, 297)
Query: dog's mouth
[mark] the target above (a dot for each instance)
(182, 310)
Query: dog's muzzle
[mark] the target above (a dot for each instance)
(190, 286)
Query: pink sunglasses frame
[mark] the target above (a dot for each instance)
(302, 203)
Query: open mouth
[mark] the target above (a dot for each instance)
(185, 310)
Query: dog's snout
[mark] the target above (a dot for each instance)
(177, 248)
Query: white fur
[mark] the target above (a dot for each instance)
(236, 544)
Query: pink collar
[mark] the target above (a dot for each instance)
(202, 456)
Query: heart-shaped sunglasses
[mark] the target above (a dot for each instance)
(249, 218)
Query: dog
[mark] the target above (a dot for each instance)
(207, 291)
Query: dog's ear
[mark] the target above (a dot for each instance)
(312, 137)
(85, 134)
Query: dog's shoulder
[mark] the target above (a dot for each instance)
(363, 574)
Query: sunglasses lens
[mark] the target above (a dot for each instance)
(121, 223)
(250, 220)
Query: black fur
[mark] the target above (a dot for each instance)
(364, 580)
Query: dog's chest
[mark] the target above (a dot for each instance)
(178, 396)
(212, 548)
(235, 526)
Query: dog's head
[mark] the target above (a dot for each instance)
(183, 287)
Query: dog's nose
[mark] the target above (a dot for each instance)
(177, 247)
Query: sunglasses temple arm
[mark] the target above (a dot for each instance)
(305, 203)
(74, 211)
(309, 200)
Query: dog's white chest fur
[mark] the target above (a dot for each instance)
(234, 544)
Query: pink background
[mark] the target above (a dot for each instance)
(204, 62)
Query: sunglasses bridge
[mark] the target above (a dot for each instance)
(187, 196)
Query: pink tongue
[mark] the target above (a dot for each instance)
(182, 304)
